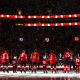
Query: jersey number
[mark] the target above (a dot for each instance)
(22, 55)
(51, 57)
(3, 56)
(34, 56)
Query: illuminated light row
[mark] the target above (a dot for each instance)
(53, 24)
(35, 17)
(11, 16)
(55, 16)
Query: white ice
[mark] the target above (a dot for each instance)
(40, 73)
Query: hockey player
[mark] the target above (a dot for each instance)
(14, 64)
(23, 60)
(46, 56)
(67, 58)
(35, 59)
(60, 59)
(77, 63)
(72, 63)
(53, 61)
(5, 60)
(44, 63)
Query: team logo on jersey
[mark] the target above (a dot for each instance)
(77, 60)
(44, 62)
(14, 62)
(67, 55)
(51, 57)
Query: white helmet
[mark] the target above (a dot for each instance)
(44, 57)
(78, 54)
(15, 57)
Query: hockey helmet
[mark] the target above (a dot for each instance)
(44, 57)
(23, 51)
(78, 54)
(5, 51)
(15, 57)
(35, 50)
(52, 51)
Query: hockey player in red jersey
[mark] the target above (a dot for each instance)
(14, 64)
(44, 63)
(53, 61)
(67, 58)
(77, 63)
(35, 59)
(5, 60)
(23, 60)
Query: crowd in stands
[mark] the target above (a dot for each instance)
(40, 7)
(60, 38)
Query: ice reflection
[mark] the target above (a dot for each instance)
(23, 78)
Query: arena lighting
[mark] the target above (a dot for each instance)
(76, 38)
(19, 12)
(35, 17)
(52, 24)
(21, 39)
(47, 39)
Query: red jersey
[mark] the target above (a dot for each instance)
(34, 57)
(67, 55)
(52, 58)
(77, 60)
(4, 57)
(14, 62)
(23, 57)
(44, 62)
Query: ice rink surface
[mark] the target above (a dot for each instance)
(40, 74)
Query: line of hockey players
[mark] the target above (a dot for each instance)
(52, 59)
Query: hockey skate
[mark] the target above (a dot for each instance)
(64, 72)
(15, 72)
(77, 71)
(32, 71)
(24, 71)
(21, 71)
(7, 71)
(3, 70)
(35, 71)
(68, 71)
(55, 72)
(44, 71)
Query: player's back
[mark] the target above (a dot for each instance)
(23, 57)
(35, 56)
(52, 58)
(77, 60)
(4, 57)
(67, 55)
